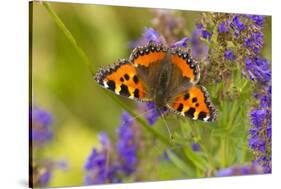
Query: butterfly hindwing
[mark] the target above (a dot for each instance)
(186, 64)
(194, 103)
(122, 79)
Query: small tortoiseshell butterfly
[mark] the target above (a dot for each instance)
(165, 76)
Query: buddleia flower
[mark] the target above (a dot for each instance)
(195, 147)
(126, 145)
(199, 49)
(223, 27)
(41, 126)
(41, 132)
(42, 171)
(240, 39)
(149, 35)
(100, 167)
(260, 131)
(258, 69)
(150, 113)
(239, 170)
(109, 163)
(237, 23)
(229, 55)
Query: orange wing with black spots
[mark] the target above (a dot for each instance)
(147, 55)
(187, 65)
(194, 103)
(122, 79)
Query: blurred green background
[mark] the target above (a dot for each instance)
(63, 85)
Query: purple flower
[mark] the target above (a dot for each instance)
(257, 117)
(106, 165)
(195, 147)
(199, 49)
(41, 174)
(236, 34)
(126, 146)
(265, 162)
(181, 43)
(239, 170)
(165, 155)
(258, 38)
(248, 40)
(104, 139)
(269, 128)
(199, 26)
(206, 34)
(42, 171)
(265, 100)
(258, 69)
(41, 116)
(229, 55)
(149, 35)
(99, 167)
(237, 22)
(225, 172)
(94, 160)
(254, 41)
(260, 132)
(45, 178)
(203, 32)
(222, 28)
(41, 131)
(258, 19)
(152, 114)
(257, 143)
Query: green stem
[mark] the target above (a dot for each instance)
(198, 140)
(141, 121)
(224, 151)
(244, 85)
(69, 36)
(86, 60)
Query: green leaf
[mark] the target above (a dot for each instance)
(180, 164)
(196, 159)
(219, 132)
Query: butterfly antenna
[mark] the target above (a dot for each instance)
(165, 122)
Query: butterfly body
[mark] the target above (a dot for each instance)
(162, 86)
(165, 76)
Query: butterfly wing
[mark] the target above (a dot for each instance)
(148, 60)
(194, 103)
(122, 79)
(148, 55)
(188, 67)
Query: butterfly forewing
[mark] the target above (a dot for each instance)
(147, 55)
(122, 79)
(148, 61)
(186, 64)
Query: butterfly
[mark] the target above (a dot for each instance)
(163, 75)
